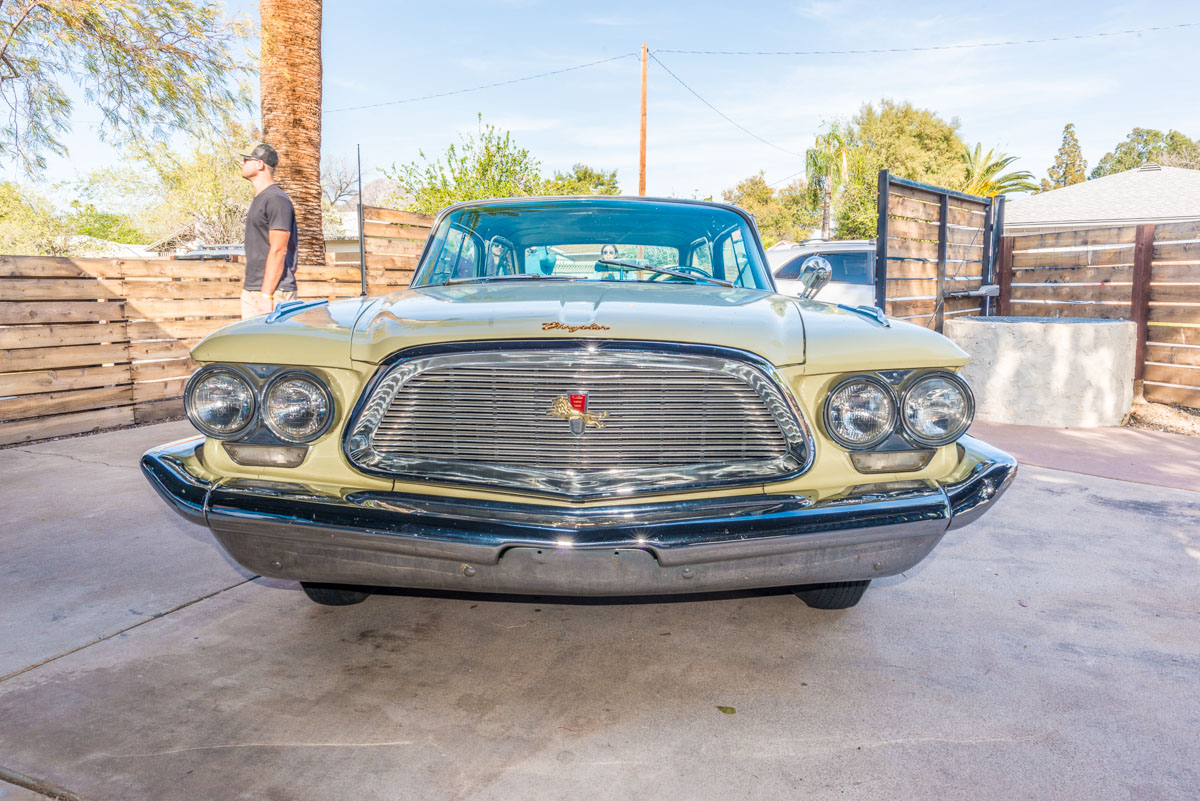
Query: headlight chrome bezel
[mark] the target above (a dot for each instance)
(893, 417)
(189, 407)
(260, 378)
(273, 427)
(952, 436)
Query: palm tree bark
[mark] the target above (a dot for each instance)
(290, 85)
(825, 211)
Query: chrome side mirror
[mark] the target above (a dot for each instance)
(815, 273)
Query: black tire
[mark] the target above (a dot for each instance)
(333, 594)
(836, 595)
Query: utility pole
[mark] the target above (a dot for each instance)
(642, 156)
(362, 243)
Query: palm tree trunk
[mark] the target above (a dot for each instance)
(825, 212)
(290, 85)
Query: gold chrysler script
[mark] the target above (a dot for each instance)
(557, 326)
(562, 408)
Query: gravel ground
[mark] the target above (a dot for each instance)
(1164, 417)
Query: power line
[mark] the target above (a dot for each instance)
(793, 175)
(929, 47)
(484, 86)
(725, 116)
(864, 51)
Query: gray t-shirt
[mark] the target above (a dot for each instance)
(271, 210)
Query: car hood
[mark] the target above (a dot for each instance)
(752, 320)
(315, 336)
(813, 336)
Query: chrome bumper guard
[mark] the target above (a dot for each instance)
(286, 530)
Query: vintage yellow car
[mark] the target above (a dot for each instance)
(581, 396)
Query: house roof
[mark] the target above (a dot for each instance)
(1146, 194)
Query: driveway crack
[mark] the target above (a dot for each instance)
(118, 633)
(72, 458)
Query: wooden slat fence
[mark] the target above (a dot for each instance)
(88, 344)
(931, 243)
(394, 240)
(1147, 273)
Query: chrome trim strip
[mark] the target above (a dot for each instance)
(359, 443)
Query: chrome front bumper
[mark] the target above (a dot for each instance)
(286, 530)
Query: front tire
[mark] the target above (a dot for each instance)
(333, 594)
(835, 595)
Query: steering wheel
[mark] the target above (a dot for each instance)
(678, 269)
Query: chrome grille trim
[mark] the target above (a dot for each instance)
(498, 434)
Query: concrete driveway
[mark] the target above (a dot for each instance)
(1050, 651)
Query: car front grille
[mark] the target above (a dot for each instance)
(659, 420)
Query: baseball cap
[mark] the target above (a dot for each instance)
(265, 153)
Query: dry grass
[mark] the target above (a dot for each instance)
(1164, 417)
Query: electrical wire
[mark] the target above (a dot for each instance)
(484, 86)
(928, 48)
(781, 180)
(862, 51)
(722, 114)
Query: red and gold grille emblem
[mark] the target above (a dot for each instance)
(573, 408)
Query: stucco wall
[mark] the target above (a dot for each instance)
(1060, 372)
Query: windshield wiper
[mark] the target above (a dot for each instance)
(512, 277)
(666, 271)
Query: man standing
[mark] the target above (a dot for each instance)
(270, 236)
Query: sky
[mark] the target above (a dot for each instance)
(1015, 98)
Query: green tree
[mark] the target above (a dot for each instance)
(786, 213)
(1069, 165)
(983, 174)
(29, 225)
(583, 180)
(827, 164)
(195, 193)
(86, 220)
(152, 67)
(1145, 146)
(910, 142)
(487, 165)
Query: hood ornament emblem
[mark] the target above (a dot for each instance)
(573, 409)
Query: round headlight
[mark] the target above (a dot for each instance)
(860, 412)
(219, 402)
(297, 407)
(937, 409)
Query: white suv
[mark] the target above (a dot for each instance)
(852, 260)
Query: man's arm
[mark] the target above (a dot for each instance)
(276, 253)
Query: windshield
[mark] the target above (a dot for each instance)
(594, 240)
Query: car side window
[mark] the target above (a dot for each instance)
(700, 256)
(849, 268)
(791, 270)
(852, 268)
(733, 256)
(457, 257)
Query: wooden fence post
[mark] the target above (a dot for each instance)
(1143, 254)
(939, 313)
(881, 243)
(1005, 276)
